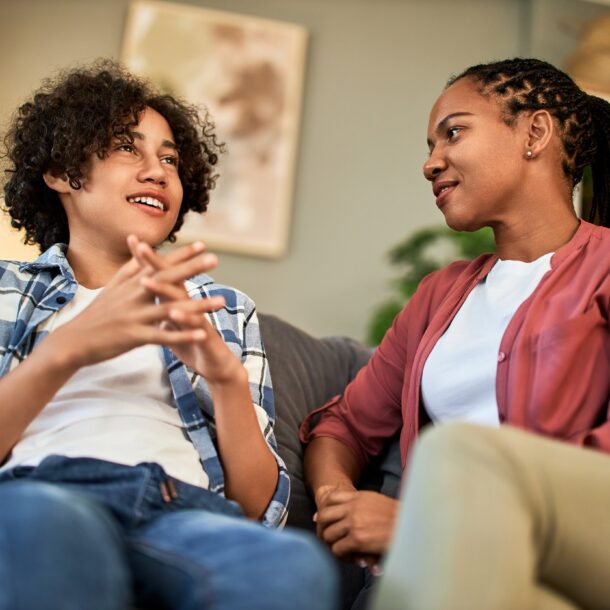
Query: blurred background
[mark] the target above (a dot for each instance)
(373, 70)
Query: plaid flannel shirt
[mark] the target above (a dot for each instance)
(31, 292)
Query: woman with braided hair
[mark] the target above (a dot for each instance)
(519, 337)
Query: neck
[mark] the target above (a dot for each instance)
(93, 266)
(529, 238)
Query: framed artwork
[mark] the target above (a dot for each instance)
(248, 72)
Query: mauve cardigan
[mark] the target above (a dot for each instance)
(553, 375)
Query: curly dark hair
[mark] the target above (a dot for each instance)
(583, 120)
(77, 115)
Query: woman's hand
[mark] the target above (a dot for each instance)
(355, 523)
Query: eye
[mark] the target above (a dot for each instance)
(452, 132)
(126, 147)
(170, 160)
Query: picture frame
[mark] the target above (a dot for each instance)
(248, 73)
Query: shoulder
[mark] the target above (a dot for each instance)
(589, 248)
(15, 274)
(48, 265)
(600, 237)
(439, 282)
(434, 289)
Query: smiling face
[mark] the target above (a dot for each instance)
(477, 162)
(135, 188)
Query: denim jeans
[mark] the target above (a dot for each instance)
(81, 533)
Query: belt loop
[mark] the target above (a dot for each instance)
(164, 492)
(168, 490)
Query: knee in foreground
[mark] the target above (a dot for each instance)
(66, 549)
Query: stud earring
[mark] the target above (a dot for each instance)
(529, 154)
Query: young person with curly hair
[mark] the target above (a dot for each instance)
(517, 337)
(136, 409)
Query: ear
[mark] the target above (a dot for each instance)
(57, 183)
(541, 129)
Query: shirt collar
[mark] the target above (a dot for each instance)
(53, 258)
(585, 232)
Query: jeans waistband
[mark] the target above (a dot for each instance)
(134, 494)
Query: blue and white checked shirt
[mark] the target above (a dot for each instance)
(31, 292)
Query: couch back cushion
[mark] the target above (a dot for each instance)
(306, 372)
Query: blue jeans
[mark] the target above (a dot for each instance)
(80, 534)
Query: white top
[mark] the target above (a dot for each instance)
(120, 410)
(459, 377)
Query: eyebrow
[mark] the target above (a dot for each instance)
(444, 121)
(137, 135)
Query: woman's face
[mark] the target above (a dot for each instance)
(477, 162)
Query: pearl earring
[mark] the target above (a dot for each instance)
(529, 154)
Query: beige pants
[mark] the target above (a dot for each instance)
(500, 519)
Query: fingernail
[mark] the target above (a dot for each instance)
(315, 517)
(376, 570)
(361, 563)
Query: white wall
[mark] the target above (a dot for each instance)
(374, 69)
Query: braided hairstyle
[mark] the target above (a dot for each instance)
(583, 120)
(77, 115)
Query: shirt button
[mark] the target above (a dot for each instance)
(501, 357)
(61, 300)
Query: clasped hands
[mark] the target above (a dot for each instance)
(203, 348)
(356, 525)
(146, 303)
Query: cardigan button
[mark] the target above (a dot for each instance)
(501, 357)
(60, 300)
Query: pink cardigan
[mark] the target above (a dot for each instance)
(553, 375)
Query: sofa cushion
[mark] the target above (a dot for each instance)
(306, 372)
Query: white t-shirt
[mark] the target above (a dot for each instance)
(459, 376)
(120, 410)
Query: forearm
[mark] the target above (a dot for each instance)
(26, 390)
(251, 471)
(330, 464)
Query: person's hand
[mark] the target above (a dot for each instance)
(356, 525)
(124, 316)
(209, 355)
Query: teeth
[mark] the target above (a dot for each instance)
(155, 203)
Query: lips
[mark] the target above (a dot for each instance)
(438, 188)
(151, 199)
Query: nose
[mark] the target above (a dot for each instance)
(434, 165)
(152, 170)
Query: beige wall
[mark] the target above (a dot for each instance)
(374, 69)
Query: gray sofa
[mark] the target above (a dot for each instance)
(306, 372)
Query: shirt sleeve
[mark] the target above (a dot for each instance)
(370, 410)
(237, 323)
(256, 364)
